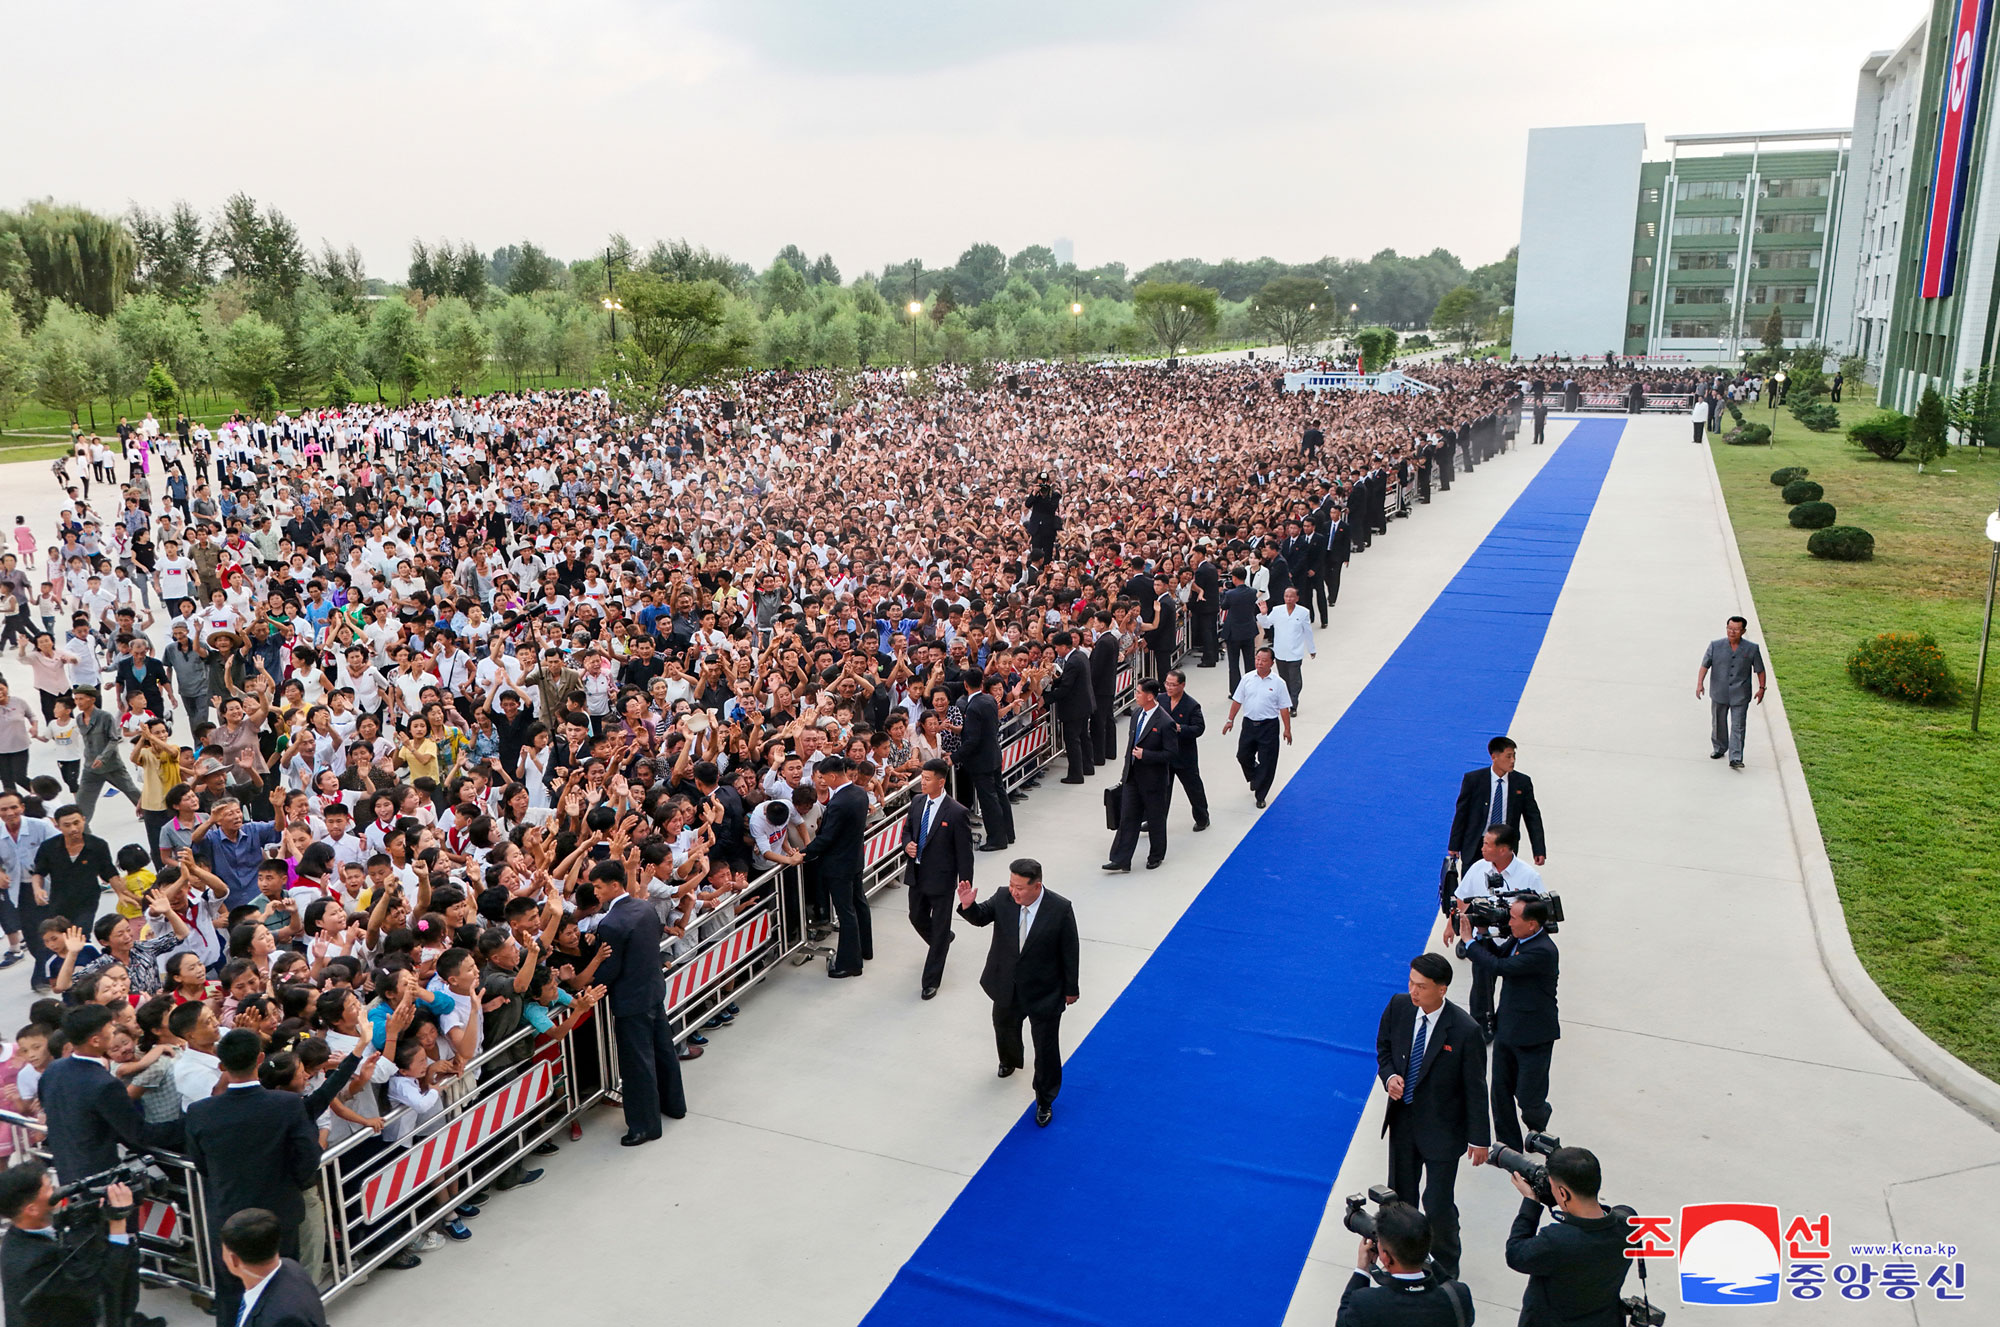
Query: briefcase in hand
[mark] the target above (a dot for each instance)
(1112, 797)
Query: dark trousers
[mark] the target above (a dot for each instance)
(229, 1290)
(1332, 582)
(1077, 746)
(154, 821)
(1480, 1006)
(1104, 728)
(1190, 779)
(1541, 422)
(1242, 659)
(1257, 753)
(1412, 1176)
(1320, 602)
(1293, 671)
(1520, 1084)
(850, 909)
(649, 1072)
(1046, 1030)
(1205, 639)
(930, 914)
(14, 771)
(1141, 804)
(1700, 428)
(994, 811)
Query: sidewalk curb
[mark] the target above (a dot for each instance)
(1965, 1086)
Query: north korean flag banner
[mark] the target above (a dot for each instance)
(1965, 58)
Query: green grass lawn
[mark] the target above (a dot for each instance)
(1907, 797)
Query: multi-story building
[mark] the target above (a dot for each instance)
(1871, 224)
(1694, 251)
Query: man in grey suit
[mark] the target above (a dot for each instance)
(1734, 660)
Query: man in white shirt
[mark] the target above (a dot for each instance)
(1291, 631)
(1265, 703)
(196, 1067)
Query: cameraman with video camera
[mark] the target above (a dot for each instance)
(1527, 1025)
(1391, 1285)
(55, 1279)
(1577, 1266)
(1497, 874)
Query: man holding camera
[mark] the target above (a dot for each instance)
(1402, 1293)
(1432, 1063)
(1577, 1266)
(99, 1285)
(1527, 1027)
(1497, 873)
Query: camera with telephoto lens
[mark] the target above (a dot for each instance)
(1525, 1165)
(1357, 1217)
(1493, 910)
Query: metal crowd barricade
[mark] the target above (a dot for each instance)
(170, 1226)
(1028, 743)
(1678, 403)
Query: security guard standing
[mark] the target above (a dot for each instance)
(1403, 1292)
(1577, 1266)
(1265, 703)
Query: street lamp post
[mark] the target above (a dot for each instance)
(611, 304)
(916, 312)
(1986, 628)
(1075, 330)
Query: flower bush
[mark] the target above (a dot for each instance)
(1904, 665)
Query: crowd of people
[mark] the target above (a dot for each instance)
(404, 696)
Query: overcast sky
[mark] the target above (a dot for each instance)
(885, 129)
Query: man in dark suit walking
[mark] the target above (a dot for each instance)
(1497, 795)
(254, 1148)
(1525, 1038)
(649, 1069)
(1432, 1063)
(1189, 725)
(1317, 551)
(1148, 779)
(1106, 653)
(979, 754)
(839, 845)
(1239, 625)
(1069, 694)
(937, 851)
(276, 1292)
(1205, 608)
(1031, 972)
(88, 1109)
(1541, 418)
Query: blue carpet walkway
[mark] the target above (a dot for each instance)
(1203, 1122)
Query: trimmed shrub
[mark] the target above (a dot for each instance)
(1884, 434)
(1748, 435)
(1842, 543)
(1818, 415)
(1787, 474)
(1802, 490)
(1812, 515)
(1905, 665)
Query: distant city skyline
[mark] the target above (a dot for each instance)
(881, 130)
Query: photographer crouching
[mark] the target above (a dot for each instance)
(1575, 1267)
(1392, 1284)
(71, 1264)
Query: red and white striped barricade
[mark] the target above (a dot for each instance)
(423, 1166)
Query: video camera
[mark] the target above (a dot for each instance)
(1493, 911)
(87, 1195)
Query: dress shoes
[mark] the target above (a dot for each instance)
(1006, 1071)
(1717, 755)
(1200, 825)
(691, 1053)
(838, 973)
(1116, 869)
(992, 847)
(1073, 780)
(1043, 1114)
(1260, 801)
(634, 1140)
(1736, 764)
(1153, 863)
(930, 992)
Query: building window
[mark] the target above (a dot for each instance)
(1635, 331)
(1689, 328)
(1782, 294)
(1791, 223)
(1785, 260)
(1701, 295)
(1642, 262)
(1649, 230)
(1705, 225)
(1687, 189)
(1813, 188)
(1705, 262)
(1640, 297)
(1651, 197)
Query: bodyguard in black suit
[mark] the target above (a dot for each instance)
(87, 1107)
(1437, 1098)
(839, 846)
(1069, 695)
(97, 1287)
(1205, 608)
(1474, 811)
(1189, 725)
(254, 1148)
(937, 853)
(1031, 976)
(635, 984)
(286, 1295)
(1525, 1038)
(979, 754)
(1316, 554)
(1105, 655)
(1239, 626)
(1148, 779)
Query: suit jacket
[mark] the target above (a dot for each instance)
(1040, 975)
(289, 1299)
(1104, 653)
(1730, 671)
(1365, 1304)
(841, 839)
(1189, 725)
(1448, 1111)
(1209, 578)
(26, 1259)
(1472, 815)
(1070, 690)
(1149, 763)
(1280, 569)
(1239, 613)
(89, 1114)
(1527, 1012)
(947, 855)
(254, 1148)
(979, 740)
(632, 976)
